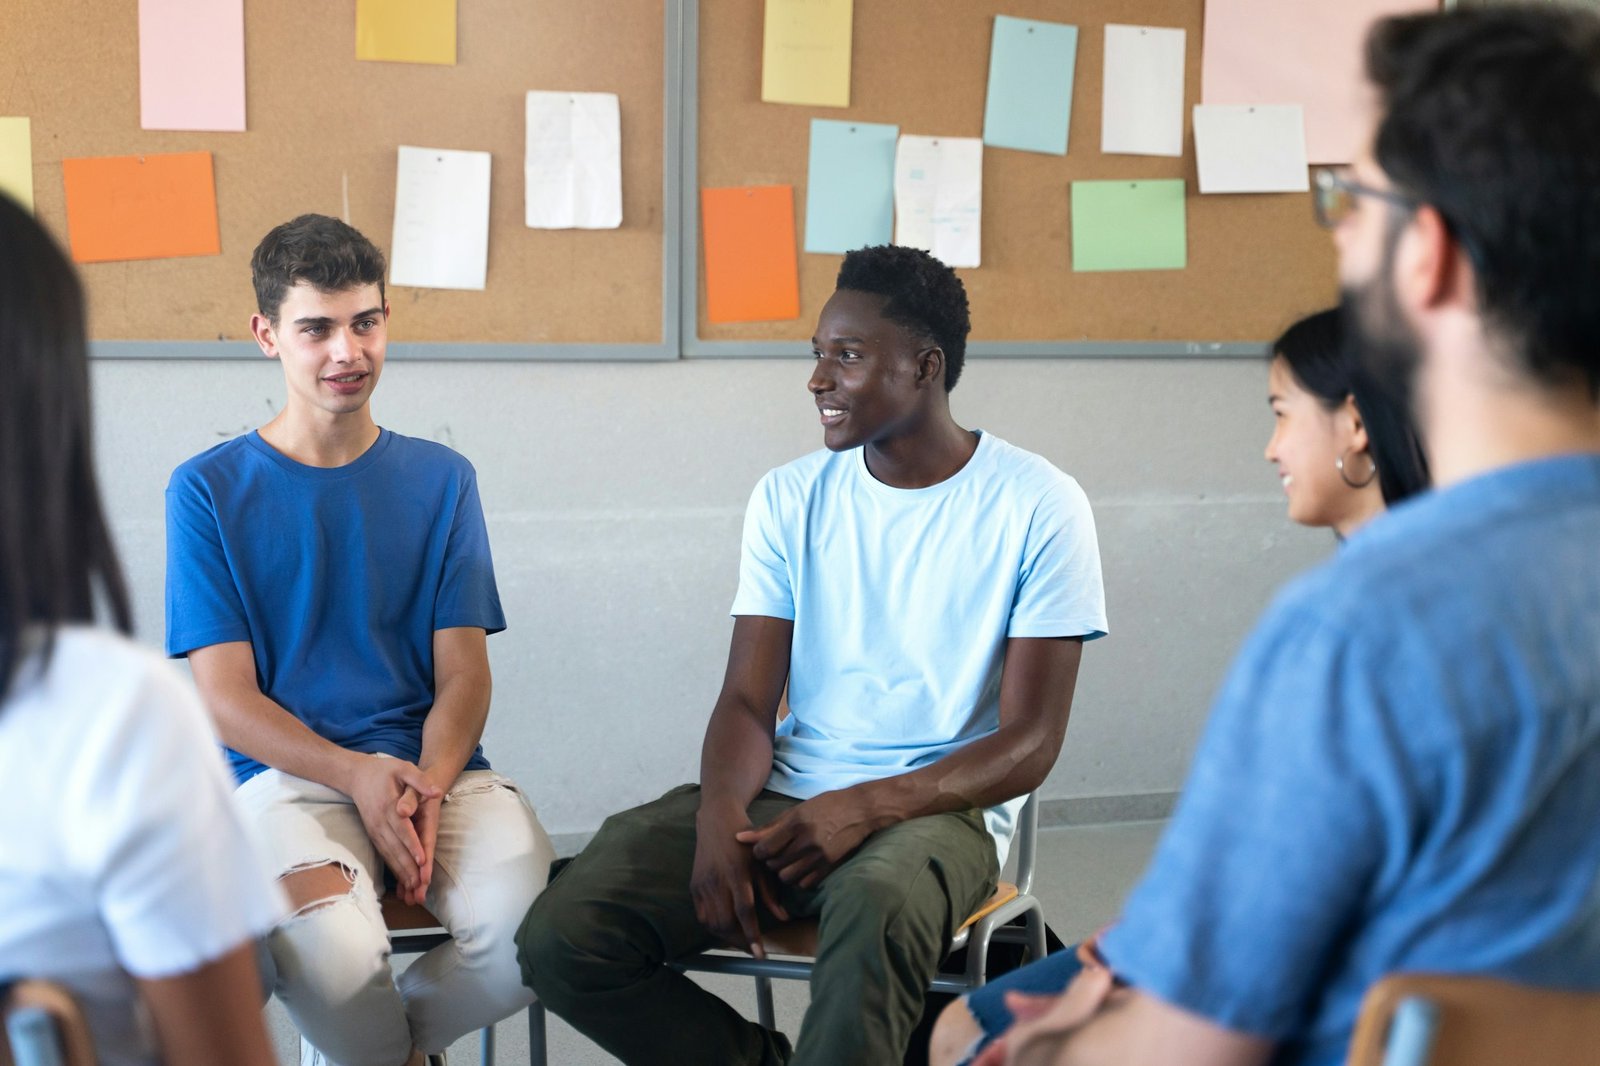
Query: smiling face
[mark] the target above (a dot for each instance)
(1308, 440)
(331, 345)
(872, 377)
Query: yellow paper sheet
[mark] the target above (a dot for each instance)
(16, 160)
(805, 52)
(406, 31)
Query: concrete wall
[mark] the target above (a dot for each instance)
(614, 496)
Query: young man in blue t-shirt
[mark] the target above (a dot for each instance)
(923, 591)
(331, 584)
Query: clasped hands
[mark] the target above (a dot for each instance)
(737, 863)
(399, 807)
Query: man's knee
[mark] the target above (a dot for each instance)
(557, 941)
(954, 1035)
(309, 887)
(330, 945)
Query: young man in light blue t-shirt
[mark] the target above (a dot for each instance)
(331, 584)
(923, 592)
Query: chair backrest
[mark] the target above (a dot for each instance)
(1447, 1020)
(43, 1027)
(1026, 842)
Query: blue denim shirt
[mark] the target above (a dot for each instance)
(1401, 773)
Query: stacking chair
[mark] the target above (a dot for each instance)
(791, 947)
(43, 1027)
(1441, 1020)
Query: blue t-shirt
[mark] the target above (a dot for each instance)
(337, 577)
(1401, 773)
(902, 601)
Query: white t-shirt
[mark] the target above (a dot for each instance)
(902, 602)
(122, 855)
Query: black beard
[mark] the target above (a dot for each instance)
(1379, 343)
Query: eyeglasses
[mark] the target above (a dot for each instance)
(1334, 197)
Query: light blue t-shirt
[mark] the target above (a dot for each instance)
(1402, 773)
(902, 601)
(337, 578)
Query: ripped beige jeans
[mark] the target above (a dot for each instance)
(331, 958)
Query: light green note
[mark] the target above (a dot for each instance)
(1129, 225)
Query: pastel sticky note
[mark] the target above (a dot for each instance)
(1141, 110)
(1275, 52)
(191, 64)
(406, 31)
(805, 52)
(938, 197)
(1128, 225)
(572, 166)
(751, 270)
(16, 160)
(441, 219)
(850, 185)
(1260, 148)
(141, 207)
(1029, 103)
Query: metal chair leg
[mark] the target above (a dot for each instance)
(486, 1042)
(536, 1034)
(764, 1011)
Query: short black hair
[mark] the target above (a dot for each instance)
(1492, 116)
(922, 295)
(322, 251)
(56, 555)
(1317, 350)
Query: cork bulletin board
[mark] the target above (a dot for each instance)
(322, 133)
(1254, 261)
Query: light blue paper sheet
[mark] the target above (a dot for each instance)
(1029, 105)
(850, 185)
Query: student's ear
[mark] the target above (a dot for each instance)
(386, 310)
(1435, 269)
(930, 367)
(1359, 441)
(266, 335)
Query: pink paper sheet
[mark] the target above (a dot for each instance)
(191, 64)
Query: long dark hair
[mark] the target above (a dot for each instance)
(1316, 353)
(56, 556)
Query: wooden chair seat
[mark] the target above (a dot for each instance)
(799, 938)
(1474, 1021)
(400, 916)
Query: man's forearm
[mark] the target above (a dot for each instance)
(735, 760)
(260, 728)
(453, 728)
(990, 771)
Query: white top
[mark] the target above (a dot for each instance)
(902, 602)
(122, 854)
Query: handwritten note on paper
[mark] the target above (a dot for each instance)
(1272, 52)
(1128, 225)
(1029, 104)
(1261, 148)
(850, 185)
(1141, 109)
(751, 270)
(191, 64)
(406, 31)
(805, 52)
(572, 168)
(16, 160)
(141, 207)
(938, 197)
(441, 219)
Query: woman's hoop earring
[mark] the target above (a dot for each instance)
(1345, 477)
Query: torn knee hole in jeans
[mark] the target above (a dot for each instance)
(303, 907)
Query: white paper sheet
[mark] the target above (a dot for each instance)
(573, 166)
(1259, 148)
(938, 197)
(1141, 109)
(441, 219)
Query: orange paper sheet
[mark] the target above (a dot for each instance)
(141, 207)
(752, 273)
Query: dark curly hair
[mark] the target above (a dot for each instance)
(325, 252)
(923, 295)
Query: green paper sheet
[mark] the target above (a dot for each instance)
(1129, 225)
